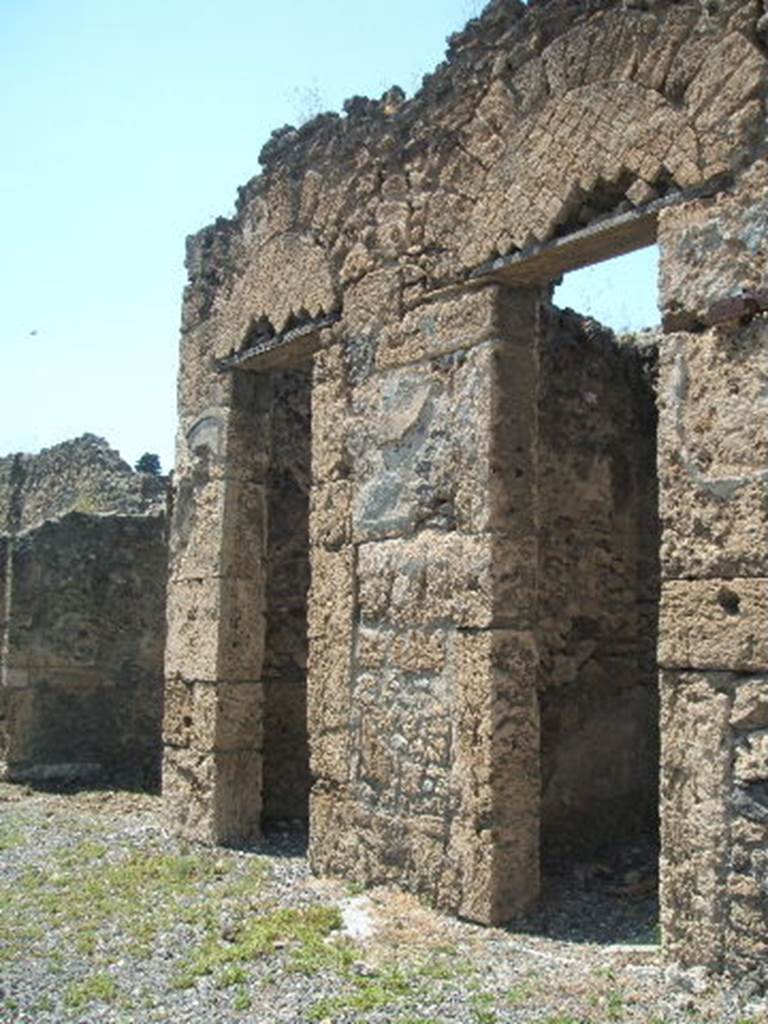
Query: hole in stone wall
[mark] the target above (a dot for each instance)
(285, 784)
(729, 601)
(598, 586)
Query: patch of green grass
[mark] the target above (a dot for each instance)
(10, 838)
(483, 1011)
(137, 896)
(230, 975)
(614, 1005)
(242, 1001)
(366, 994)
(519, 994)
(96, 988)
(301, 930)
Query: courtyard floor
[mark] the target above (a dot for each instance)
(105, 916)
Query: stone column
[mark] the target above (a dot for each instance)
(713, 637)
(213, 696)
(422, 684)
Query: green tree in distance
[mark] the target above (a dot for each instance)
(148, 463)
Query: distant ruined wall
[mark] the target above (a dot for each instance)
(409, 248)
(82, 475)
(84, 648)
(84, 568)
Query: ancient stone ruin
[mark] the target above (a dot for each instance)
(83, 557)
(510, 537)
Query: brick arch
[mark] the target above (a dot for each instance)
(425, 522)
(620, 109)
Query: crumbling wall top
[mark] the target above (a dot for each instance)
(542, 120)
(81, 475)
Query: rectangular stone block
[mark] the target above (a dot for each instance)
(695, 788)
(330, 458)
(420, 443)
(219, 529)
(495, 771)
(443, 326)
(330, 507)
(713, 249)
(213, 716)
(329, 756)
(714, 624)
(215, 629)
(332, 592)
(713, 453)
(213, 798)
(428, 579)
(328, 684)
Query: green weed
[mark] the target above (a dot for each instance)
(96, 988)
(304, 930)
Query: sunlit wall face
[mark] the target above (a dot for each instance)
(621, 293)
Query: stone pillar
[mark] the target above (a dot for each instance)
(713, 637)
(422, 685)
(213, 696)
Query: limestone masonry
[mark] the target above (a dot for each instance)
(83, 558)
(538, 555)
(461, 579)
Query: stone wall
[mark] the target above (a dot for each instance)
(84, 647)
(236, 698)
(713, 466)
(82, 475)
(84, 574)
(597, 588)
(411, 246)
(422, 615)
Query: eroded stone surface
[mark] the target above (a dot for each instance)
(483, 532)
(83, 567)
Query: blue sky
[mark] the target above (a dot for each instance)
(127, 125)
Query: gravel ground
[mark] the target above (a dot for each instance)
(106, 917)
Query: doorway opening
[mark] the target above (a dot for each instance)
(285, 771)
(598, 602)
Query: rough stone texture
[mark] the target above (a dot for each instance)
(597, 588)
(84, 648)
(482, 522)
(715, 825)
(236, 655)
(83, 475)
(427, 729)
(712, 251)
(713, 451)
(713, 471)
(632, 102)
(83, 581)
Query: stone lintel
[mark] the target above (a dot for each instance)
(270, 352)
(601, 240)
